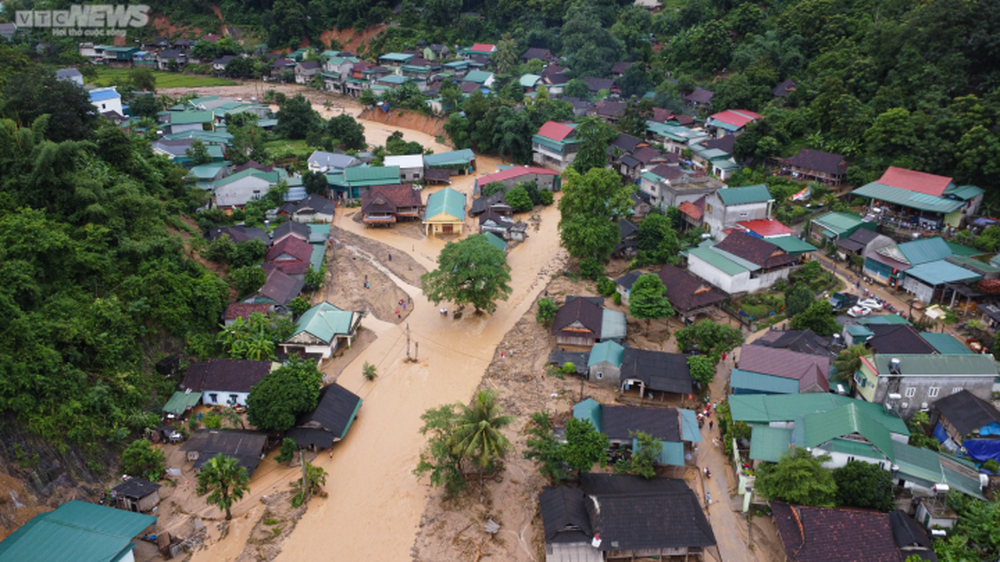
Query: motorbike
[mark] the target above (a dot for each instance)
(708, 473)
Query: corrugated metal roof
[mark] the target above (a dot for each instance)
(589, 409)
(960, 250)
(382, 175)
(607, 351)
(496, 241)
(845, 420)
(945, 344)
(913, 200)
(973, 264)
(942, 365)
(759, 382)
(447, 201)
(689, 426)
(925, 250)
(940, 272)
(613, 325)
(478, 76)
(181, 401)
(839, 223)
(769, 443)
(884, 319)
(853, 448)
(747, 264)
(455, 157)
(745, 195)
(326, 321)
(792, 245)
(765, 408)
(191, 117)
(718, 261)
(858, 331)
(964, 192)
(529, 80)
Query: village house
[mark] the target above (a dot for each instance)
(741, 264)
(647, 371)
(291, 256)
(861, 243)
(239, 234)
(279, 289)
(674, 138)
(477, 49)
(106, 99)
(243, 310)
(768, 370)
(614, 516)
(224, 382)
(291, 228)
(820, 534)
(445, 212)
(730, 122)
(502, 226)
(458, 161)
(70, 75)
(584, 322)
(535, 53)
(321, 330)
(699, 98)
(669, 186)
(313, 209)
(78, 531)
(181, 121)
(688, 294)
(331, 162)
(910, 383)
(672, 427)
(495, 202)
(816, 165)
(236, 190)
(962, 416)
(411, 167)
(512, 177)
(305, 71)
(921, 200)
(389, 204)
(725, 208)
(176, 150)
(353, 182)
(329, 421)
(628, 244)
(247, 447)
(136, 495)
(555, 145)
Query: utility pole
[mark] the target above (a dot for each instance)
(407, 341)
(416, 350)
(305, 483)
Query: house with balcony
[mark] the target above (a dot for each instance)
(555, 145)
(673, 137)
(730, 122)
(816, 165)
(667, 185)
(920, 200)
(388, 204)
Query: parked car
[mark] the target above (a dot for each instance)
(840, 301)
(858, 311)
(870, 304)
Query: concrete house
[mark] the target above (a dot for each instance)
(768, 370)
(136, 495)
(816, 165)
(305, 71)
(511, 177)
(106, 99)
(279, 289)
(225, 382)
(910, 383)
(688, 294)
(861, 243)
(741, 263)
(331, 162)
(584, 322)
(411, 167)
(321, 330)
(919, 199)
(555, 145)
(239, 189)
(445, 212)
(647, 371)
(725, 208)
(668, 185)
(314, 209)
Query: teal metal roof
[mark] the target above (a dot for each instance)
(718, 261)
(529, 80)
(394, 79)
(270, 177)
(945, 344)
(689, 426)
(792, 245)
(973, 264)
(190, 117)
(446, 201)
(496, 241)
(939, 365)
(76, 531)
(675, 132)
(964, 192)
(453, 158)
(925, 250)
(838, 422)
(759, 382)
(739, 261)
(883, 319)
(360, 176)
(745, 195)
(854, 448)
(929, 468)
(960, 250)
(218, 136)
(326, 321)
(838, 223)
(672, 453)
(208, 171)
(906, 198)
(766, 408)
(181, 401)
(589, 409)
(769, 443)
(396, 57)
(318, 254)
(607, 351)
(478, 76)
(613, 325)
(859, 331)
(940, 272)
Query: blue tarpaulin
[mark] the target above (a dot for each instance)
(940, 434)
(982, 450)
(992, 429)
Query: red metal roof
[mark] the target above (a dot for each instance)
(766, 227)
(555, 131)
(483, 48)
(912, 180)
(737, 117)
(515, 172)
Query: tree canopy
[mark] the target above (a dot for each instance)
(470, 271)
(711, 338)
(647, 300)
(818, 318)
(861, 484)
(798, 477)
(276, 401)
(589, 204)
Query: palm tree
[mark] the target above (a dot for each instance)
(369, 372)
(477, 434)
(848, 362)
(225, 479)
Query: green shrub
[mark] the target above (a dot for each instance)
(545, 197)
(568, 368)
(606, 287)
(617, 297)
(591, 269)
(213, 421)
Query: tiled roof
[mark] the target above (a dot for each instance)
(536, 53)
(280, 288)
(822, 534)
(754, 250)
(225, 375)
(784, 363)
(912, 180)
(689, 209)
(818, 160)
(555, 131)
(244, 310)
(686, 291)
(388, 198)
(700, 95)
(581, 310)
(292, 246)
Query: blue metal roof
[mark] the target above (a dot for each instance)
(101, 95)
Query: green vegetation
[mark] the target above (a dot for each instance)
(107, 76)
(798, 477)
(224, 480)
(546, 311)
(471, 271)
(702, 369)
(865, 485)
(584, 447)
(643, 458)
(647, 300)
(369, 372)
(140, 459)
(710, 338)
(313, 485)
(589, 204)
(818, 318)
(276, 401)
(287, 451)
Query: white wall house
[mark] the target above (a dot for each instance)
(727, 207)
(107, 99)
(241, 191)
(411, 167)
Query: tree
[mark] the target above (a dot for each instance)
(439, 459)
(299, 306)
(369, 372)
(140, 459)
(493, 187)
(314, 182)
(798, 477)
(249, 253)
(471, 271)
(818, 318)
(519, 200)
(647, 300)
(577, 88)
(315, 479)
(798, 298)
(368, 98)
(507, 56)
(701, 368)
(314, 278)
(918, 425)
(253, 338)
(36, 92)
(477, 433)
(546, 311)
(589, 204)
(142, 79)
(233, 418)
(848, 362)
(865, 485)
(710, 338)
(296, 119)
(280, 397)
(585, 446)
(145, 106)
(595, 135)
(657, 240)
(644, 457)
(198, 153)
(248, 279)
(543, 448)
(225, 480)
(349, 133)
(288, 449)
(239, 67)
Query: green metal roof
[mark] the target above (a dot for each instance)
(689, 426)
(589, 409)
(318, 254)
(747, 264)
(397, 57)
(446, 201)
(745, 195)
(766, 408)
(964, 192)
(960, 250)
(478, 76)
(326, 321)
(672, 453)
(453, 158)
(76, 531)
(792, 245)
(180, 402)
(613, 324)
(925, 250)
(940, 272)
(191, 117)
(496, 241)
(928, 467)
(883, 319)
(415, 68)
(270, 177)
(529, 80)
(838, 422)
(607, 351)
(854, 448)
(759, 382)
(718, 261)
(360, 176)
(939, 365)
(769, 443)
(217, 136)
(394, 79)
(838, 223)
(973, 264)
(859, 331)
(675, 132)
(945, 344)
(906, 198)
(207, 171)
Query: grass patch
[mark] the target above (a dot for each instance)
(282, 149)
(107, 76)
(270, 521)
(760, 306)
